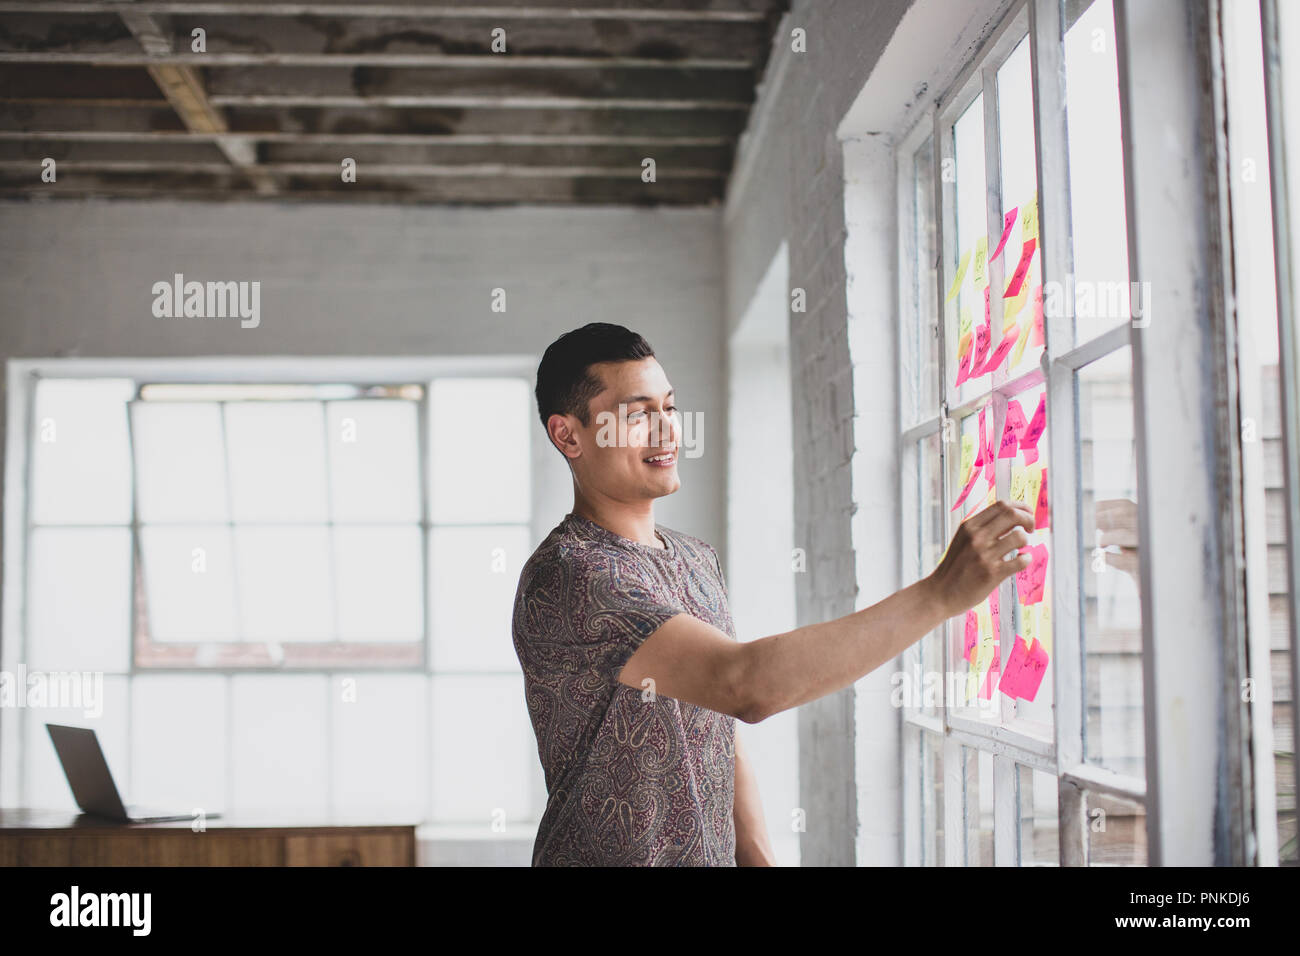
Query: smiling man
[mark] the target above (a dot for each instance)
(633, 673)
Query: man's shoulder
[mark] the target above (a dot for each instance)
(563, 549)
(693, 546)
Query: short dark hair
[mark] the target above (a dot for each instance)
(565, 386)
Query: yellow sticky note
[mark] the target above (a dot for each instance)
(991, 497)
(967, 323)
(1019, 483)
(1035, 479)
(967, 456)
(1011, 307)
(1029, 220)
(980, 267)
(1021, 342)
(1029, 623)
(961, 274)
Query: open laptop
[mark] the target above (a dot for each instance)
(92, 784)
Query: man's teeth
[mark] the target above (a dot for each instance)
(660, 457)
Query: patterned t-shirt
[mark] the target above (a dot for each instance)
(633, 778)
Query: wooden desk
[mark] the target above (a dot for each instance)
(62, 838)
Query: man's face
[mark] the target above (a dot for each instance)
(632, 420)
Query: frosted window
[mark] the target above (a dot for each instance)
(278, 747)
(374, 461)
(277, 461)
(180, 462)
(189, 583)
(474, 576)
(379, 592)
(178, 742)
(284, 583)
(484, 751)
(381, 749)
(479, 450)
(81, 462)
(79, 599)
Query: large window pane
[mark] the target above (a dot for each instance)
(1117, 831)
(79, 599)
(284, 584)
(979, 806)
(379, 591)
(178, 742)
(374, 461)
(189, 579)
(1098, 290)
(375, 771)
(277, 461)
(931, 809)
(1036, 797)
(920, 373)
(966, 296)
(474, 573)
(180, 462)
(81, 462)
(280, 757)
(1112, 605)
(479, 451)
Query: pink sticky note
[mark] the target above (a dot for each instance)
(972, 634)
(1022, 269)
(1008, 221)
(1034, 430)
(990, 460)
(979, 449)
(970, 483)
(963, 369)
(981, 348)
(1030, 582)
(1000, 353)
(1036, 337)
(1012, 429)
(991, 678)
(993, 610)
(1025, 669)
(1011, 673)
(1040, 509)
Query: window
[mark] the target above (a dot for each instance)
(296, 588)
(1028, 397)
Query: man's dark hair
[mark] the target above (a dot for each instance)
(565, 386)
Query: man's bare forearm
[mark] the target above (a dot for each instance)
(786, 670)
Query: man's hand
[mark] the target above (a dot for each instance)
(975, 562)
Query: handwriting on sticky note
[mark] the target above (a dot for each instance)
(991, 678)
(1029, 581)
(967, 454)
(980, 264)
(1033, 478)
(1004, 347)
(970, 483)
(963, 368)
(1022, 269)
(1009, 441)
(1024, 670)
(1040, 509)
(981, 348)
(966, 324)
(1029, 219)
(979, 452)
(972, 636)
(1019, 483)
(961, 273)
(1008, 221)
(1034, 430)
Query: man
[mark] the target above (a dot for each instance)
(633, 673)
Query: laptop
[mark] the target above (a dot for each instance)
(92, 784)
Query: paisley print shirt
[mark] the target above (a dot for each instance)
(633, 778)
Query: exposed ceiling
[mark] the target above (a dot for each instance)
(413, 93)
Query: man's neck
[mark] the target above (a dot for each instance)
(636, 523)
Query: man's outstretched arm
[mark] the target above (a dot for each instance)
(690, 660)
(752, 845)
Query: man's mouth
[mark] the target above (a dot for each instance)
(662, 460)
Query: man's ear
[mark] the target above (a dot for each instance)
(560, 429)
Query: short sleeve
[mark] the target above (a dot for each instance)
(586, 615)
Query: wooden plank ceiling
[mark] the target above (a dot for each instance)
(413, 93)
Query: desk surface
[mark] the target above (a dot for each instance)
(18, 820)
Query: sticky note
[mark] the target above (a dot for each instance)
(1029, 618)
(991, 678)
(1021, 342)
(1024, 670)
(1033, 480)
(1034, 430)
(993, 609)
(981, 348)
(979, 452)
(967, 454)
(1022, 269)
(1011, 307)
(1040, 509)
(963, 368)
(1029, 219)
(1019, 483)
(980, 264)
(966, 324)
(1013, 427)
(1004, 347)
(971, 636)
(990, 459)
(961, 274)
(1037, 336)
(1045, 621)
(970, 483)
(1030, 581)
(1008, 221)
